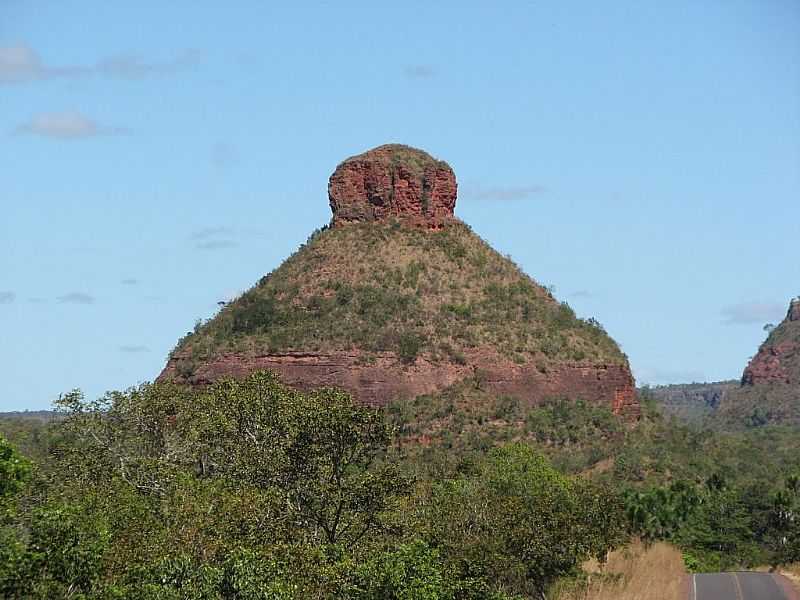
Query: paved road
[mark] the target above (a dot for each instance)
(737, 586)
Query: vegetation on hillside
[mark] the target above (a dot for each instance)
(253, 490)
(377, 287)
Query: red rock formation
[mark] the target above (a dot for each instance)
(778, 359)
(384, 377)
(393, 181)
(405, 185)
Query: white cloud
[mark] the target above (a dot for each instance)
(19, 64)
(65, 126)
(748, 313)
(22, 64)
(7, 297)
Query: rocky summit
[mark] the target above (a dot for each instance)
(778, 358)
(398, 298)
(393, 182)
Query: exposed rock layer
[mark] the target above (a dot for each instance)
(393, 181)
(382, 378)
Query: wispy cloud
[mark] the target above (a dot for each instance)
(134, 67)
(419, 71)
(748, 313)
(130, 281)
(134, 349)
(65, 126)
(215, 238)
(22, 64)
(76, 298)
(581, 294)
(504, 194)
(7, 297)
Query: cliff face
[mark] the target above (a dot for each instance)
(385, 378)
(393, 181)
(398, 299)
(778, 358)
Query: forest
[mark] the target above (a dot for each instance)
(251, 489)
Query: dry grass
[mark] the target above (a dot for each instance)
(386, 287)
(792, 573)
(635, 573)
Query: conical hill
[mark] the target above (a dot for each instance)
(398, 298)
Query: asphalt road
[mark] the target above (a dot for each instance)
(737, 586)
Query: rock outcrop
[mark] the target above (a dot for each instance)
(399, 299)
(393, 182)
(384, 377)
(778, 358)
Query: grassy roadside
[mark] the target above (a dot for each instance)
(635, 572)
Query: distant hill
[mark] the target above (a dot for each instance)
(31, 415)
(767, 394)
(770, 387)
(398, 298)
(691, 403)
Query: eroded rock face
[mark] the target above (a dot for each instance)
(381, 378)
(393, 182)
(778, 359)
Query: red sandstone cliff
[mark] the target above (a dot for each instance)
(387, 378)
(393, 181)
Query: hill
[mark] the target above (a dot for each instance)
(770, 387)
(398, 298)
(691, 403)
(768, 392)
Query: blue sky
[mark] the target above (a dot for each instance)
(641, 157)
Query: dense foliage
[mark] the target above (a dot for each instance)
(253, 490)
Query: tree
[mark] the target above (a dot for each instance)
(313, 454)
(15, 471)
(520, 521)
